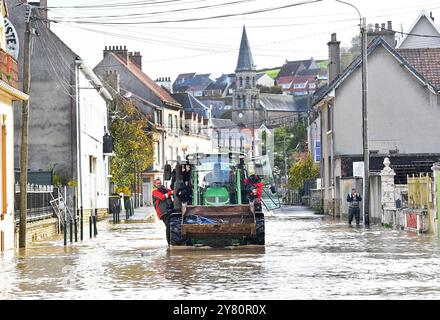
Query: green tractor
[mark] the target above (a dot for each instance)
(215, 202)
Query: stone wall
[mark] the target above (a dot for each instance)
(40, 230)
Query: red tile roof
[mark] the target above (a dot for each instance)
(285, 80)
(153, 86)
(426, 61)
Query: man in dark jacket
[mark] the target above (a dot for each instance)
(163, 203)
(354, 200)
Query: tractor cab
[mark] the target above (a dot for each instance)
(216, 178)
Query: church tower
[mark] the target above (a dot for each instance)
(246, 98)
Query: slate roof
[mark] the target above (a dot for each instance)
(192, 81)
(310, 72)
(190, 104)
(150, 84)
(426, 61)
(223, 123)
(278, 102)
(289, 69)
(221, 82)
(245, 61)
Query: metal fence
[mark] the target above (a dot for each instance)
(420, 192)
(38, 202)
(292, 197)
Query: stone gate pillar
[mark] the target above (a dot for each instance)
(436, 169)
(388, 197)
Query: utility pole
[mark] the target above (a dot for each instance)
(24, 128)
(366, 152)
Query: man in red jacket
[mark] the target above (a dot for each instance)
(162, 202)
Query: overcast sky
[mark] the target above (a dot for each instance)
(211, 46)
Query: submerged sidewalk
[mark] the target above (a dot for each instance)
(144, 214)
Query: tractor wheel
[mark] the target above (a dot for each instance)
(176, 230)
(260, 233)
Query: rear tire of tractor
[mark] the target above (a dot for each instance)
(260, 231)
(176, 238)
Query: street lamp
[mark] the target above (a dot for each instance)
(364, 46)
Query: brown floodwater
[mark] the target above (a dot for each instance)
(306, 257)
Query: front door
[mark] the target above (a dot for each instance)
(92, 182)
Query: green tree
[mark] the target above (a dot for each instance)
(133, 143)
(288, 141)
(302, 170)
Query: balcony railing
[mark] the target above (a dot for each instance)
(8, 69)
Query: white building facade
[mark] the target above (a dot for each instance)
(94, 184)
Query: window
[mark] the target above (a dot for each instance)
(92, 164)
(171, 153)
(299, 85)
(253, 81)
(329, 119)
(158, 117)
(312, 86)
(248, 82)
(177, 152)
(317, 151)
(177, 124)
(241, 82)
(170, 123)
(285, 85)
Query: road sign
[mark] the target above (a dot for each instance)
(358, 169)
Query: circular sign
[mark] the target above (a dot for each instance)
(11, 36)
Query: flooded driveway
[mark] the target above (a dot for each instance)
(306, 257)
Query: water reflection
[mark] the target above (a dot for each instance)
(306, 257)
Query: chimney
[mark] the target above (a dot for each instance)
(43, 12)
(334, 56)
(113, 80)
(385, 31)
(121, 51)
(165, 82)
(431, 16)
(136, 58)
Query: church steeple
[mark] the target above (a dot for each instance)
(246, 97)
(245, 61)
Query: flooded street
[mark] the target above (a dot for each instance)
(305, 257)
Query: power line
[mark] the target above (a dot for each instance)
(123, 4)
(146, 14)
(194, 19)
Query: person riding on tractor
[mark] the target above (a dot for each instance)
(163, 203)
(254, 184)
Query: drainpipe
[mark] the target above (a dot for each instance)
(78, 63)
(322, 162)
(332, 160)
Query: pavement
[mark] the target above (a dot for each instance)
(144, 214)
